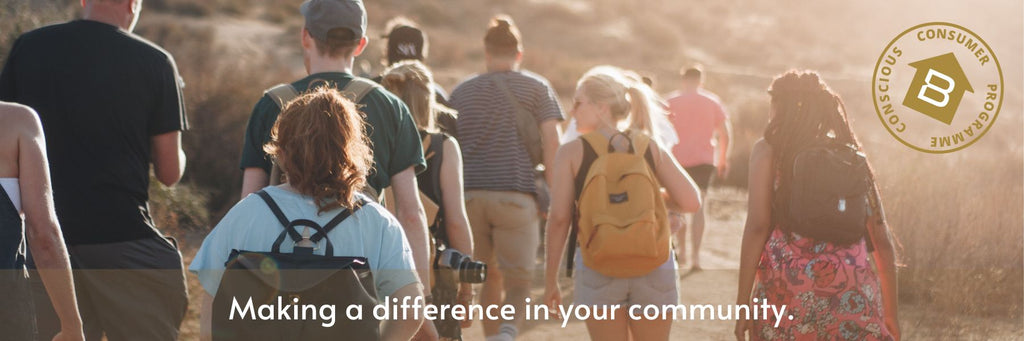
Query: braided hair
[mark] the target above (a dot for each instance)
(806, 112)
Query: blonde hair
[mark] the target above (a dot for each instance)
(411, 81)
(628, 98)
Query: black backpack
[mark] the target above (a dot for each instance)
(828, 198)
(275, 278)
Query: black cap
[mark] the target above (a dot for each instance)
(406, 42)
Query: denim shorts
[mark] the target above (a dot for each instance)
(658, 287)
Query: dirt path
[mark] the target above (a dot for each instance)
(716, 284)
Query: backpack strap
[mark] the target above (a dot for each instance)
(642, 142)
(282, 94)
(334, 222)
(358, 88)
(295, 236)
(589, 156)
(433, 148)
(289, 226)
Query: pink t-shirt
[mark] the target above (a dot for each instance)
(695, 115)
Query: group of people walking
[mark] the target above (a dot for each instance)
(423, 194)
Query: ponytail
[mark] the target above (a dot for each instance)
(629, 100)
(640, 111)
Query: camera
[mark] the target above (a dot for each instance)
(467, 270)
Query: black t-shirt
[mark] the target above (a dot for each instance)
(101, 93)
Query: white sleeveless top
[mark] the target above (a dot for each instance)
(13, 189)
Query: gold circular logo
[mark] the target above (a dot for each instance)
(937, 87)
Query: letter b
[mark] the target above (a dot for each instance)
(950, 85)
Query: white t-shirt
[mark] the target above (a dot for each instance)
(372, 232)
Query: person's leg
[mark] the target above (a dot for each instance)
(650, 330)
(596, 290)
(137, 288)
(698, 234)
(610, 330)
(702, 175)
(515, 243)
(657, 288)
(491, 291)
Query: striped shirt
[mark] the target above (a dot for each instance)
(494, 158)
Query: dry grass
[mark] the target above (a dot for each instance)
(959, 216)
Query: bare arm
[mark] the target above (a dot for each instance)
(885, 260)
(413, 220)
(456, 221)
(758, 225)
(168, 158)
(42, 229)
(403, 329)
(253, 179)
(549, 136)
(676, 182)
(559, 217)
(206, 318)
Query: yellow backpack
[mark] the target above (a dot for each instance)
(622, 224)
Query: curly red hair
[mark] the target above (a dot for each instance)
(319, 144)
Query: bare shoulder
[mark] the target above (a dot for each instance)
(571, 150)
(451, 145)
(760, 156)
(19, 119)
(761, 149)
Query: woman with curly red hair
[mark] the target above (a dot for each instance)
(319, 143)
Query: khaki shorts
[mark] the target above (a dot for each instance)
(506, 230)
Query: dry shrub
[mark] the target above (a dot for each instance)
(959, 221)
(17, 17)
(220, 92)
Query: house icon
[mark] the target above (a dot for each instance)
(937, 88)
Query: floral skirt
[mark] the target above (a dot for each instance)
(831, 292)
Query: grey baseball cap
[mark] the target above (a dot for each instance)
(324, 15)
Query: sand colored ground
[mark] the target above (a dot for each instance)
(716, 284)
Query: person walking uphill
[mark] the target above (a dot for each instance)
(406, 41)
(502, 114)
(442, 193)
(704, 133)
(110, 104)
(333, 35)
(320, 146)
(814, 219)
(609, 181)
(25, 192)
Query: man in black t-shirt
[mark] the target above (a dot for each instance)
(111, 105)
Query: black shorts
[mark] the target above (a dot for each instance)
(701, 175)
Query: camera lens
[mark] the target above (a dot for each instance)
(472, 271)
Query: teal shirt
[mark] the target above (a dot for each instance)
(392, 131)
(372, 232)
